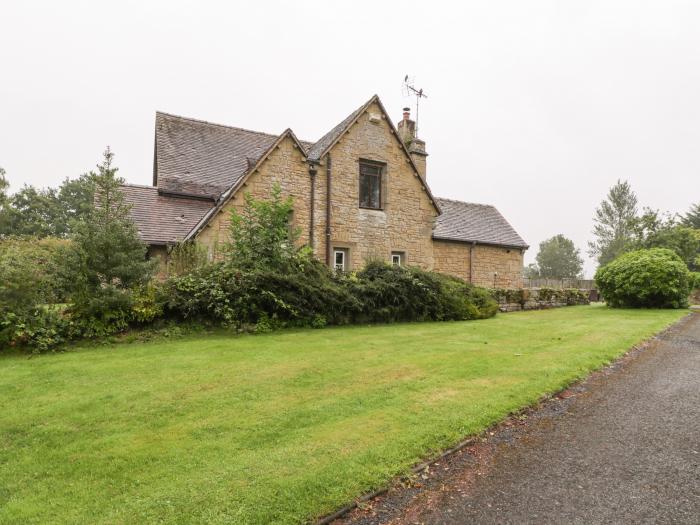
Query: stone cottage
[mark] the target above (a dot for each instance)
(359, 192)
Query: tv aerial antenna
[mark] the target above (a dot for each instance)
(410, 90)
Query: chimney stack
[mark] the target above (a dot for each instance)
(415, 146)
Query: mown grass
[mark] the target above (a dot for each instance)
(275, 428)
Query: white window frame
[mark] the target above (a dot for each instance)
(344, 254)
(397, 255)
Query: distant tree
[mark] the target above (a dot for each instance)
(31, 212)
(46, 212)
(75, 199)
(559, 258)
(531, 271)
(614, 222)
(4, 184)
(692, 218)
(107, 259)
(655, 230)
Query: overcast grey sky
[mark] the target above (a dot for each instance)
(536, 107)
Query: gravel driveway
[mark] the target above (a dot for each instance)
(623, 447)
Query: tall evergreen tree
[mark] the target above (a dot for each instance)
(692, 218)
(4, 200)
(3, 186)
(614, 222)
(107, 256)
(559, 258)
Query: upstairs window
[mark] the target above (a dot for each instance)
(371, 185)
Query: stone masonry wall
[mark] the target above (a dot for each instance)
(453, 258)
(404, 223)
(285, 166)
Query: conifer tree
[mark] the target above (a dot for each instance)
(107, 257)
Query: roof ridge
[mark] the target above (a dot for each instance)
(465, 202)
(146, 186)
(328, 140)
(200, 121)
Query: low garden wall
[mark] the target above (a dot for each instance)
(539, 298)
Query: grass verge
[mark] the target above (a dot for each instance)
(275, 428)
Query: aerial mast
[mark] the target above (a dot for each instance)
(409, 89)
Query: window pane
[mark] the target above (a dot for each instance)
(364, 190)
(339, 260)
(370, 186)
(375, 195)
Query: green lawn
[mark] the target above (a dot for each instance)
(274, 428)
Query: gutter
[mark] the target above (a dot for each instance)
(312, 198)
(471, 262)
(328, 209)
(483, 243)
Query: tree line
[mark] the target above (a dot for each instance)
(45, 212)
(618, 228)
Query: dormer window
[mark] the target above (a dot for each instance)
(371, 185)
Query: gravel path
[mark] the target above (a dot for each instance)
(623, 447)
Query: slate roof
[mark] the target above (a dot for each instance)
(470, 222)
(197, 157)
(163, 219)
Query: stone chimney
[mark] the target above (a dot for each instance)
(415, 146)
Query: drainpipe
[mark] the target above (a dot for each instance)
(328, 209)
(312, 198)
(471, 262)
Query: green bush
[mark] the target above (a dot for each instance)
(308, 294)
(654, 278)
(395, 293)
(29, 286)
(694, 280)
(147, 304)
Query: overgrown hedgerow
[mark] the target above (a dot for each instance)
(306, 294)
(312, 295)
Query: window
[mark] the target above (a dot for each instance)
(397, 258)
(340, 258)
(370, 185)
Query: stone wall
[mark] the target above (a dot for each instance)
(453, 258)
(405, 222)
(510, 300)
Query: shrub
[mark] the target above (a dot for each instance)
(394, 293)
(694, 280)
(308, 294)
(185, 257)
(147, 304)
(28, 286)
(654, 278)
